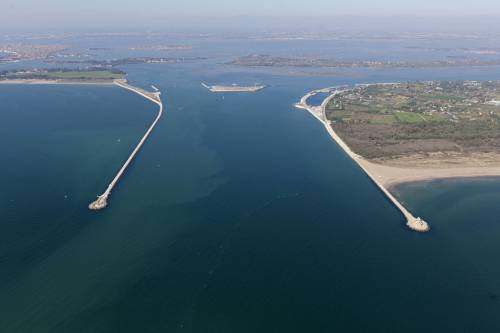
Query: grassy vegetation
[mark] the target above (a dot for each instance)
(434, 117)
(89, 75)
(64, 74)
(339, 115)
(408, 117)
(382, 119)
(394, 120)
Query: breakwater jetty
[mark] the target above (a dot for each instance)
(319, 112)
(102, 200)
(233, 88)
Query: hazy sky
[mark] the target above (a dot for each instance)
(18, 13)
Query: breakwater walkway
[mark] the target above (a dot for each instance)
(102, 200)
(319, 112)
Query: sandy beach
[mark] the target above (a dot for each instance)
(390, 176)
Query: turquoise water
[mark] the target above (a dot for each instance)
(240, 214)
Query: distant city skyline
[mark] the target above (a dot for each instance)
(69, 13)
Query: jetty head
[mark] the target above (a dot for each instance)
(417, 224)
(100, 203)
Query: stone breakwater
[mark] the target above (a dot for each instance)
(102, 200)
(319, 112)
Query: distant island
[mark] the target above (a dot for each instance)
(62, 54)
(479, 51)
(24, 51)
(123, 61)
(161, 48)
(263, 60)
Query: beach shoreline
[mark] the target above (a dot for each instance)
(391, 176)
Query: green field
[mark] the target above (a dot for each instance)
(88, 75)
(382, 119)
(63, 75)
(409, 117)
(390, 120)
(338, 115)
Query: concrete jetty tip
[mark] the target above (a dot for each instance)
(319, 112)
(417, 224)
(100, 203)
(102, 200)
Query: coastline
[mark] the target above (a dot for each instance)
(319, 112)
(391, 176)
(483, 179)
(416, 168)
(388, 174)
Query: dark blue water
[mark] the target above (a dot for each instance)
(240, 214)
